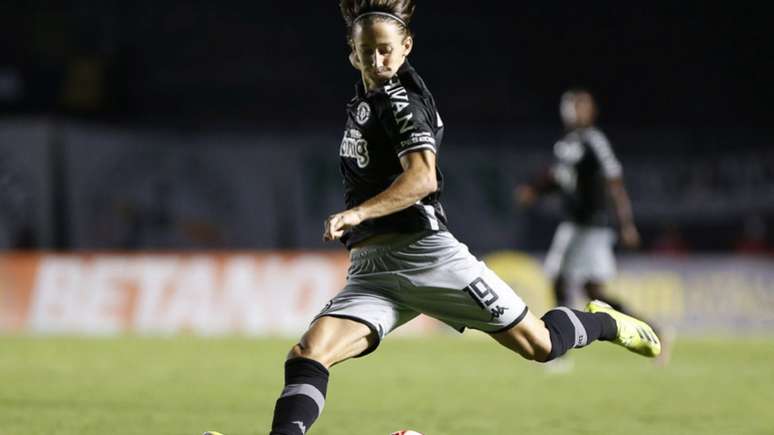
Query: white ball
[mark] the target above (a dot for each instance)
(406, 432)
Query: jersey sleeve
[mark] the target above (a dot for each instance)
(603, 152)
(410, 122)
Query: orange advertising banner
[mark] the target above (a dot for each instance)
(203, 294)
(278, 294)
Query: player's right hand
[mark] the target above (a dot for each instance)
(525, 195)
(337, 223)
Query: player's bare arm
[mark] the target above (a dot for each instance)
(630, 237)
(416, 182)
(527, 194)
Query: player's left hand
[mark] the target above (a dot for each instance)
(337, 223)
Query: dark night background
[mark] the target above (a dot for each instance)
(683, 88)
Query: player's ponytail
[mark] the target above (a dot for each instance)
(362, 11)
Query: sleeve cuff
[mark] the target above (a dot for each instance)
(416, 148)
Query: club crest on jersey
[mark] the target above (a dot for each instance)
(355, 147)
(363, 113)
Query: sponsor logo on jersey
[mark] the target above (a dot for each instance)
(355, 147)
(568, 154)
(418, 138)
(363, 113)
(569, 151)
(400, 102)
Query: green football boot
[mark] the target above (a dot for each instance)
(633, 334)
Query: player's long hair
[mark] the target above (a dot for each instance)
(351, 9)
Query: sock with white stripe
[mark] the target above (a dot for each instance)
(303, 398)
(570, 328)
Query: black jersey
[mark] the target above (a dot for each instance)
(382, 125)
(584, 163)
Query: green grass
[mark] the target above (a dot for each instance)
(439, 386)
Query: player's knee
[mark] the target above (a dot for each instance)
(310, 351)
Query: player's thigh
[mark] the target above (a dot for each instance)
(593, 259)
(529, 338)
(330, 340)
(448, 283)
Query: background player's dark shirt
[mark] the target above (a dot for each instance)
(382, 125)
(584, 163)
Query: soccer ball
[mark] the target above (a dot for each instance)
(406, 432)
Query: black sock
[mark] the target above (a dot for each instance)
(302, 399)
(572, 328)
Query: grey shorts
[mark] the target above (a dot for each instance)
(390, 283)
(582, 253)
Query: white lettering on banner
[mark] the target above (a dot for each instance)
(171, 294)
(300, 288)
(73, 296)
(54, 297)
(243, 305)
(105, 295)
(155, 275)
(279, 294)
(190, 304)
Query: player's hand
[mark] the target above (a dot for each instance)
(525, 195)
(337, 223)
(630, 237)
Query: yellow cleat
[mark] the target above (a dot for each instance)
(633, 334)
(209, 432)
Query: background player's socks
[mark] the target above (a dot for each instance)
(570, 328)
(303, 398)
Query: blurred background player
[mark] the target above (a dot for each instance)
(588, 176)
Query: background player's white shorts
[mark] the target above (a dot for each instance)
(581, 253)
(431, 273)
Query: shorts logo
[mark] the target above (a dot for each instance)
(363, 113)
(354, 146)
(497, 311)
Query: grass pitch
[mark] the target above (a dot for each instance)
(438, 386)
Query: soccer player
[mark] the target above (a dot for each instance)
(404, 261)
(586, 173)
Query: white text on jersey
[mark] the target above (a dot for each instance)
(399, 101)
